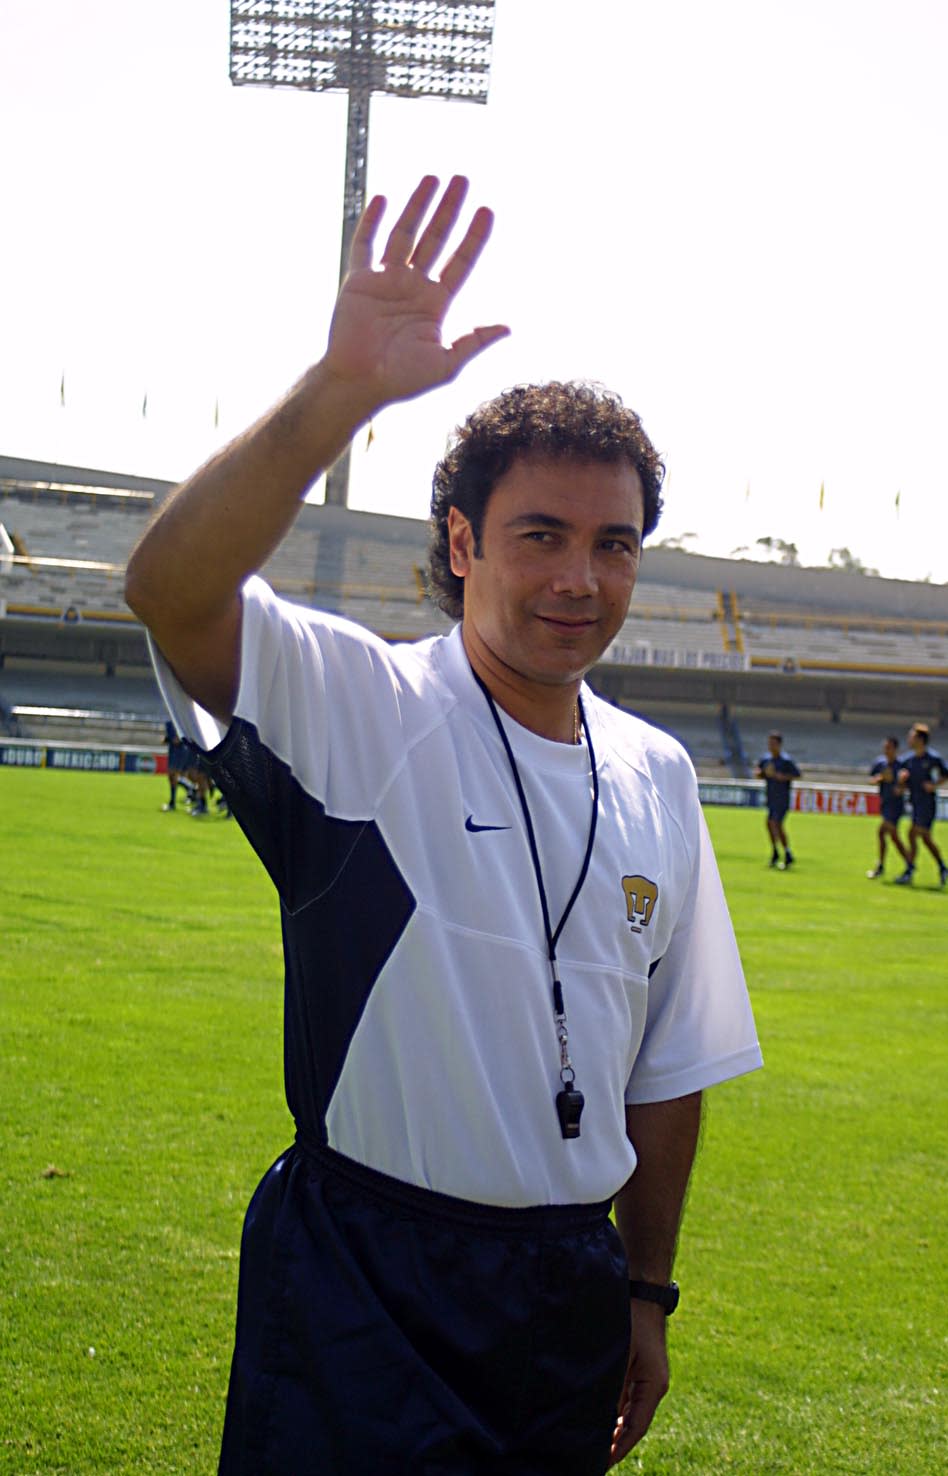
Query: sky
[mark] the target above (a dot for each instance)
(734, 215)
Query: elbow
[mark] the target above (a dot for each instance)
(130, 588)
(146, 589)
(136, 588)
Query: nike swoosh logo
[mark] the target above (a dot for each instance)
(473, 828)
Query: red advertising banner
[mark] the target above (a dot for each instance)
(834, 802)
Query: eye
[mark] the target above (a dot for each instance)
(620, 545)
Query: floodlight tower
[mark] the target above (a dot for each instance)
(409, 48)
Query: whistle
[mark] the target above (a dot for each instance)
(569, 1108)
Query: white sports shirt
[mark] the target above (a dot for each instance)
(419, 1029)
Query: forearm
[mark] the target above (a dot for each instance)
(649, 1207)
(648, 1213)
(224, 521)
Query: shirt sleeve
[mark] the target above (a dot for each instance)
(307, 681)
(321, 724)
(699, 1026)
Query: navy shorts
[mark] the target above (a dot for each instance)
(892, 814)
(777, 812)
(923, 814)
(385, 1330)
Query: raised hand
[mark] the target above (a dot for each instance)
(386, 336)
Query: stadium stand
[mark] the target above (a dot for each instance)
(821, 747)
(858, 644)
(715, 651)
(70, 540)
(696, 727)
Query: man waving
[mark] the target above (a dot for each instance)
(510, 971)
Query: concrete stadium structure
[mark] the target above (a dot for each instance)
(716, 650)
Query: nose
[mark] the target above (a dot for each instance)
(575, 574)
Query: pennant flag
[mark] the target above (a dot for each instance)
(371, 436)
(217, 413)
(145, 405)
(822, 495)
(898, 502)
(62, 388)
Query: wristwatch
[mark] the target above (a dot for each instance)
(653, 1291)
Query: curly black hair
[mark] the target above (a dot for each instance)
(554, 421)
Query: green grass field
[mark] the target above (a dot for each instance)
(141, 1100)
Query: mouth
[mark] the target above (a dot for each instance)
(569, 625)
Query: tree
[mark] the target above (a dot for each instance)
(787, 552)
(677, 541)
(842, 558)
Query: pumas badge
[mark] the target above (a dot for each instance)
(641, 899)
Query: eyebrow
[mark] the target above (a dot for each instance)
(547, 520)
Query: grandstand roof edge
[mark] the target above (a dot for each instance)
(20, 468)
(792, 583)
(357, 520)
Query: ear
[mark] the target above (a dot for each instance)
(460, 542)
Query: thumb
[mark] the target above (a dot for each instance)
(466, 348)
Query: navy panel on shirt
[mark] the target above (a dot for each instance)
(344, 906)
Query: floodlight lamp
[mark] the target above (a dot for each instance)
(408, 48)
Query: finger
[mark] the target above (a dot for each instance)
(463, 350)
(636, 1417)
(621, 1445)
(402, 238)
(440, 225)
(363, 237)
(459, 267)
(618, 1451)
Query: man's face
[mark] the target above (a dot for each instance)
(916, 742)
(773, 747)
(889, 750)
(560, 548)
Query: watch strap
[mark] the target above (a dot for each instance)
(666, 1296)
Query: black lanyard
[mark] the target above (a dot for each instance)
(569, 1101)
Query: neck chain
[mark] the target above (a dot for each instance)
(570, 1100)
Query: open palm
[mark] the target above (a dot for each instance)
(386, 334)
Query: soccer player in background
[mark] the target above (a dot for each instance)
(509, 968)
(180, 764)
(922, 771)
(778, 770)
(885, 775)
